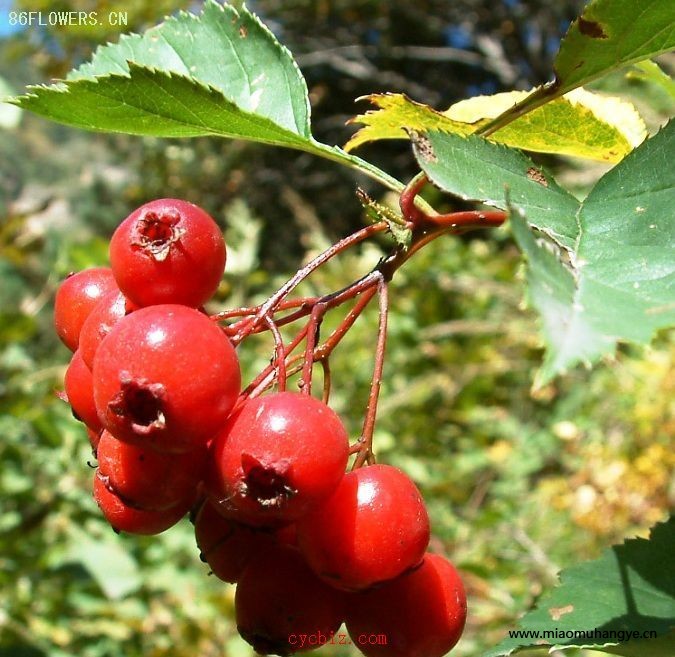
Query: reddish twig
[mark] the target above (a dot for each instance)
(365, 454)
(426, 226)
(412, 214)
(324, 350)
(321, 352)
(266, 377)
(464, 220)
(313, 328)
(270, 306)
(279, 353)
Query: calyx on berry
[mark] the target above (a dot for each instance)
(165, 377)
(278, 457)
(168, 251)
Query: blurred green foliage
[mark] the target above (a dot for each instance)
(518, 485)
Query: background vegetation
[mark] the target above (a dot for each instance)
(518, 485)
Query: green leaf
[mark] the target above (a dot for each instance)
(473, 168)
(607, 273)
(663, 646)
(153, 102)
(618, 283)
(651, 71)
(629, 589)
(226, 54)
(611, 34)
(581, 124)
(221, 73)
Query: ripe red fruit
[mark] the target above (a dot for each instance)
(165, 377)
(168, 251)
(227, 546)
(421, 613)
(278, 599)
(75, 299)
(278, 457)
(146, 479)
(125, 518)
(373, 528)
(94, 438)
(105, 314)
(79, 386)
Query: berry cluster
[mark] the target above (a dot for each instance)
(157, 383)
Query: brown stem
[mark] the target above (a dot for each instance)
(324, 350)
(270, 306)
(279, 353)
(261, 383)
(468, 219)
(321, 353)
(365, 454)
(414, 215)
(426, 226)
(313, 327)
(330, 301)
(286, 304)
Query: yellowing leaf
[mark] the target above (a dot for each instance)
(395, 114)
(581, 123)
(614, 111)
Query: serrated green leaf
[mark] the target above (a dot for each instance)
(473, 168)
(582, 124)
(663, 646)
(611, 34)
(221, 73)
(619, 283)
(152, 102)
(226, 49)
(570, 336)
(630, 588)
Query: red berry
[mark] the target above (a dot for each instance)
(105, 314)
(420, 614)
(79, 386)
(75, 299)
(278, 599)
(165, 377)
(227, 546)
(278, 457)
(287, 535)
(146, 479)
(94, 438)
(125, 518)
(168, 251)
(373, 528)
